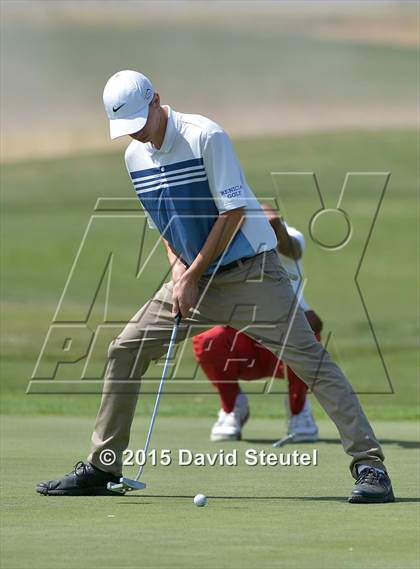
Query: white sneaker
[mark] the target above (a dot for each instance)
(228, 426)
(301, 428)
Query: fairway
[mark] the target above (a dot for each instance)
(295, 517)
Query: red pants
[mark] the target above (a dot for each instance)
(226, 356)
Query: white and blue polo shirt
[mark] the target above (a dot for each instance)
(184, 186)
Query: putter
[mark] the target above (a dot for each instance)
(127, 484)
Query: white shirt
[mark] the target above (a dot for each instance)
(189, 181)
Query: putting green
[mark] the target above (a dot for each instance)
(262, 516)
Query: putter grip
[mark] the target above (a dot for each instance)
(178, 318)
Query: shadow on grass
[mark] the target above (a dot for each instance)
(402, 444)
(342, 499)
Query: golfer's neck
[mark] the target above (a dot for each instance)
(157, 139)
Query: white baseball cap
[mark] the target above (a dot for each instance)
(127, 95)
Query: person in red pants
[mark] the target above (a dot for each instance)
(226, 355)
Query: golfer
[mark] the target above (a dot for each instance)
(225, 270)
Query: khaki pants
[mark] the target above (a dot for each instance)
(256, 298)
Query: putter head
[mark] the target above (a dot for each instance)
(284, 440)
(126, 485)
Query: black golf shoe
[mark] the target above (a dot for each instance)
(84, 480)
(372, 486)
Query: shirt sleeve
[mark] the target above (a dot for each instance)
(223, 172)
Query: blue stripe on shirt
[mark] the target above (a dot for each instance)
(168, 168)
(169, 180)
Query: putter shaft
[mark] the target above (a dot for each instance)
(127, 484)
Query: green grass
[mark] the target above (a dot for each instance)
(265, 517)
(283, 517)
(48, 204)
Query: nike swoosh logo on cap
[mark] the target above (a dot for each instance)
(115, 109)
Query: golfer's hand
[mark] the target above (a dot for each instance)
(185, 294)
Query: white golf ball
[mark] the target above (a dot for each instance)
(200, 500)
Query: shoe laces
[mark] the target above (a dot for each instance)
(228, 418)
(369, 476)
(79, 469)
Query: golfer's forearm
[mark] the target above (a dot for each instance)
(178, 268)
(172, 257)
(287, 245)
(219, 238)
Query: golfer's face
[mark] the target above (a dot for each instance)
(152, 123)
(143, 135)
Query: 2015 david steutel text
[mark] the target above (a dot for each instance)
(235, 457)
